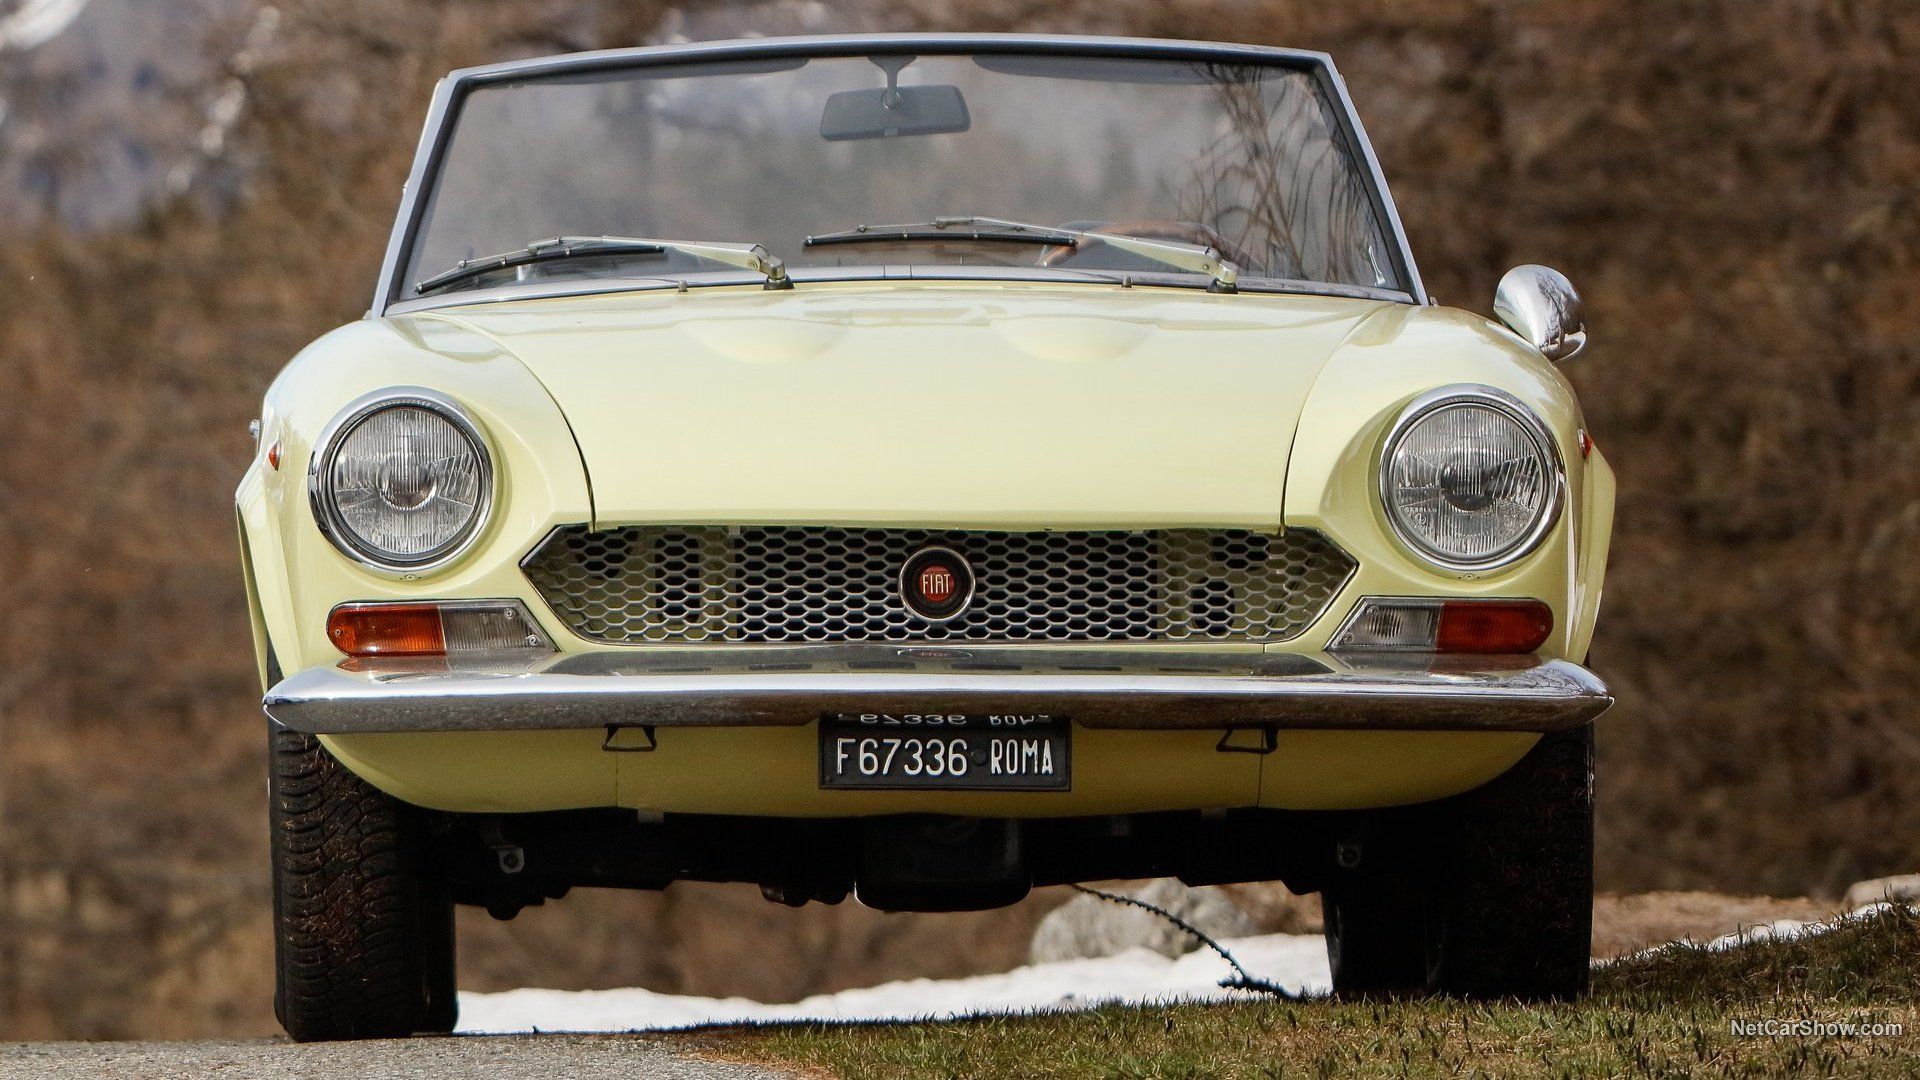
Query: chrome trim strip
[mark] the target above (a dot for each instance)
(426, 153)
(817, 45)
(910, 274)
(326, 514)
(1503, 402)
(1163, 689)
(388, 294)
(1350, 116)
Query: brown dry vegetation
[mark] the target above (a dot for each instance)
(1734, 184)
(1661, 1014)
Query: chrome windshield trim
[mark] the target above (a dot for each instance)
(1383, 197)
(819, 45)
(888, 274)
(388, 294)
(1145, 689)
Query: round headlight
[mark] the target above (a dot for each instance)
(402, 480)
(1470, 478)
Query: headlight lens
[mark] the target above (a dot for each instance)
(403, 481)
(1470, 478)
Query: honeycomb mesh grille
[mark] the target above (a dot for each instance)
(792, 585)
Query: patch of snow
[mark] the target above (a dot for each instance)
(1137, 976)
(1788, 929)
(1778, 930)
(1900, 887)
(37, 22)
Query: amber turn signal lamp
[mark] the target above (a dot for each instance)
(387, 630)
(1493, 626)
(436, 628)
(1430, 624)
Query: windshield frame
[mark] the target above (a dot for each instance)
(391, 295)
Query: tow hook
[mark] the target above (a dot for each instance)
(511, 856)
(630, 739)
(1240, 740)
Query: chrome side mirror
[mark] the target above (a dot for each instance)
(1540, 304)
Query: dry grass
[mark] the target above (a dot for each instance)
(1731, 182)
(1659, 1015)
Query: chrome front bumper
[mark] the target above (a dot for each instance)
(1101, 688)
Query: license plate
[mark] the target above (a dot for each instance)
(939, 751)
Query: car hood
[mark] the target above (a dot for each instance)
(917, 404)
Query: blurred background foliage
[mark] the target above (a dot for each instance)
(192, 189)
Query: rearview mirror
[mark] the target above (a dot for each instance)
(1540, 304)
(896, 110)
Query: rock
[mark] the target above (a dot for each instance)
(1900, 887)
(1277, 909)
(1087, 926)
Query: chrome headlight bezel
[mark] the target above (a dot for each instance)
(326, 512)
(1506, 404)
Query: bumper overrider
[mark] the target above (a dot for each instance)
(767, 686)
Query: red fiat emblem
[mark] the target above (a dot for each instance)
(938, 582)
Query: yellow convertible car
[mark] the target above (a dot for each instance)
(921, 468)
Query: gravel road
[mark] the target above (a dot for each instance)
(514, 1057)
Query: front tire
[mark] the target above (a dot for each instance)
(1373, 947)
(1515, 915)
(363, 938)
(1485, 895)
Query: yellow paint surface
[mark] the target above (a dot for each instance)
(983, 406)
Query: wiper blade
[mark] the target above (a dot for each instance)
(1197, 258)
(950, 228)
(746, 256)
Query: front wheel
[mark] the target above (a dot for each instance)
(1514, 914)
(363, 938)
(1485, 895)
(1375, 942)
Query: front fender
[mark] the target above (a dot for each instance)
(1396, 355)
(296, 575)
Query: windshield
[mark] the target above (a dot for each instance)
(795, 154)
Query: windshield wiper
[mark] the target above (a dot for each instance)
(951, 228)
(1197, 258)
(746, 256)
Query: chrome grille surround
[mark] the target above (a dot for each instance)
(718, 585)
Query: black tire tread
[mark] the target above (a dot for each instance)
(363, 942)
(1517, 908)
(1375, 947)
(1485, 895)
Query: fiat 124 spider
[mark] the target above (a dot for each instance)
(921, 468)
